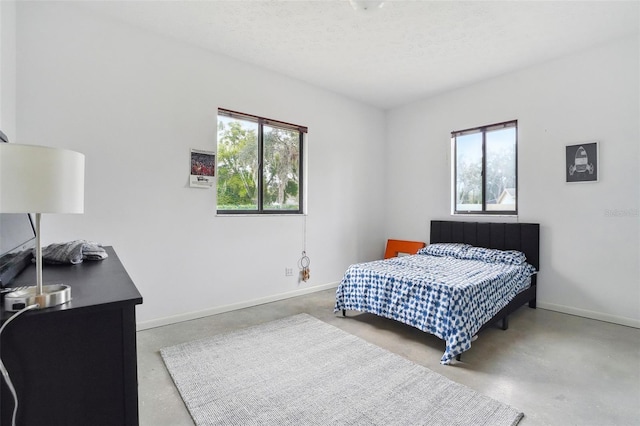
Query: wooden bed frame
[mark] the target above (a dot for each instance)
(524, 237)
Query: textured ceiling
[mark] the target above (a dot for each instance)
(402, 52)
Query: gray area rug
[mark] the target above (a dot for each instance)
(302, 371)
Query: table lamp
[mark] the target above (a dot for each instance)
(36, 180)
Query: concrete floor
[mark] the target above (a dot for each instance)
(558, 369)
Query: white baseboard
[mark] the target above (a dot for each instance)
(630, 322)
(144, 325)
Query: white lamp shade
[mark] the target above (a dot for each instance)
(39, 179)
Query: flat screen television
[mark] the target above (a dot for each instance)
(17, 240)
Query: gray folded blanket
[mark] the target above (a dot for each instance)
(73, 252)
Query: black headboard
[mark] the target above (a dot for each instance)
(524, 237)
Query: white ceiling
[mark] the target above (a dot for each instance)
(402, 52)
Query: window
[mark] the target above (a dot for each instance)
(259, 165)
(485, 173)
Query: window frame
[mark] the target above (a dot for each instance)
(454, 181)
(261, 122)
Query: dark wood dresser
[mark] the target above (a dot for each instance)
(75, 364)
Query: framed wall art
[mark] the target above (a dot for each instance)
(582, 162)
(203, 168)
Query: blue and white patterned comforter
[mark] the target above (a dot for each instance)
(445, 296)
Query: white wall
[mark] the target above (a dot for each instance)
(590, 258)
(135, 103)
(7, 68)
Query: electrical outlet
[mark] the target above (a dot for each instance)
(288, 272)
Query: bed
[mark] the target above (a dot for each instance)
(469, 277)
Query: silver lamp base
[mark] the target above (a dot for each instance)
(52, 295)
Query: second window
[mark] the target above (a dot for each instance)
(485, 177)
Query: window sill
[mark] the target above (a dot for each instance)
(515, 216)
(260, 214)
